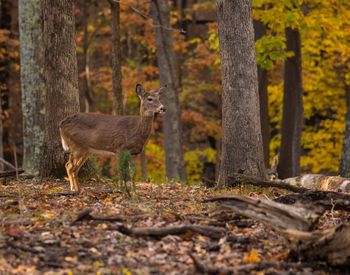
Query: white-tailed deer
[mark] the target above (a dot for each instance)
(83, 134)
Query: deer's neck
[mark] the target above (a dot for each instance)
(145, 126)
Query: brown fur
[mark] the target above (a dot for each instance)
(84, 134)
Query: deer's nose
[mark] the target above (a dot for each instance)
(163, 109)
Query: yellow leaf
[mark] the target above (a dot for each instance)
(48, 215)
(252, 257)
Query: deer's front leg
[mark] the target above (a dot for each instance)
(77, 164)
(69, 169)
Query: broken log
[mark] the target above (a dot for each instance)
(272, 213)
(331, 246)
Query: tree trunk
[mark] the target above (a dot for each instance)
(32, 83)
(5, 23)
(15, 130)
(116, 58)
(85, 89)
(49, 79)
(61, 79)
(345, 160)
(242, 148)
(260, 30)
(169, 77)
(292, 120)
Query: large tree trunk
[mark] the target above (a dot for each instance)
(116, 58)
(61, 79)
(292, 120)
(242, 148)
(345, 160)
(49, 81)
(32, 83)
(169, 77)
(260, 30)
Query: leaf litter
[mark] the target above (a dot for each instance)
(42, 234)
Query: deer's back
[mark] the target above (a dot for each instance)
(98, 131)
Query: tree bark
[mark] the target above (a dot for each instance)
(49, 79)
(345, 160)
(292, 120)
(169, 76)
(242, 148)
(32, 83)
(61, 79)
(116, 58)
(260, 30)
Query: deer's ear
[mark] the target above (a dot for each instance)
(161, 90)
(140, 91)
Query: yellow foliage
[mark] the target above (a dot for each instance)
(195, 163)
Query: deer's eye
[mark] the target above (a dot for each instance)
(149, 99)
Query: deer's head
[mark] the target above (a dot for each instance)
(150, 103)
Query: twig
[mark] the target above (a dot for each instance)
(10, 195)
(16, 163)
(23, 247)
(209, 231)
(17, 222)
(4, 174)
(85, 214)
(201, 267)
(68, 193)
(7, 163)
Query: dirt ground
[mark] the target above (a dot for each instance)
(38, 234)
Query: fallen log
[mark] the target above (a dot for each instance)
(243, 179)
(298, 184)
(331, 246)
(320, 182)
(272, 213)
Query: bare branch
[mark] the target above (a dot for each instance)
(145, 16)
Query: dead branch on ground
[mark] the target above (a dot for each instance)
(205, 230)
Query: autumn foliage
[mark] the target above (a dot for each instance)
(324, 28)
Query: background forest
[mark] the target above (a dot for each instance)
(315, 30)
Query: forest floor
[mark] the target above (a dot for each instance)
(40, 233)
